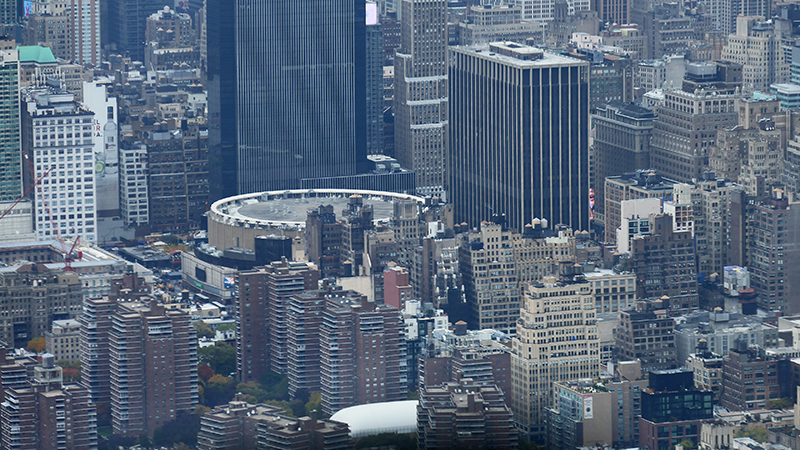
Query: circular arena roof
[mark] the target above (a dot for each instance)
(287, 209)
(376, 418)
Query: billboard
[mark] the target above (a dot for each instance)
(372, 13)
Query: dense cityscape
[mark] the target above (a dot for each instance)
(399, 224)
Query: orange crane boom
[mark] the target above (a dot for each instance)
(25, 194)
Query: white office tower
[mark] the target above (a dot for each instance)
(57, 135)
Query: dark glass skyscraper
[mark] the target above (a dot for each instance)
(286, 92)
(519, 123)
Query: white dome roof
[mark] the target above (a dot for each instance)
(376, 418)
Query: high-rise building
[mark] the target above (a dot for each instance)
(521, 151)
(10, 160)
(106, 140)
(464, 414)
(756, 45)
(584, 414)
(731, 10)
(260, 308)
(153, 367)
(420, 93)
(621, 144)
(126, 25)
(303, 115)
(773, 248)
(133, 182)
(497, 263)
(169, 29)
(41, 295)
(639, 185)
(63, 339)
(66, 197)
(363, 352)
(672, 409)
(9, 12)
(686, 130)
(664, 260)
(85, 31)
(543, 10)
(374, 80)
(637, 327)
(548, 348)
(738, 368)
(239, 424)
(613, 11)
(45, 414)
(95, 353)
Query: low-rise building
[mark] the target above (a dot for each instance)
(464, 414)
(62, 341)
(239, 425)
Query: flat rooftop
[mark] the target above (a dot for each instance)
(295, 210)
(525, 56)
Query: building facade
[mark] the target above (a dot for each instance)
(420, 93)
(549, 348)
(531, 157)
(280, 52)
(260, 310)
(57, 135)
(621, 144)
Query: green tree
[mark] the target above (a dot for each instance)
(221, 358)
(183, 429)
(758, 434)
(36, 345)
(219, 390)
(314, 402)
(780, 403)
(204, 330)
(688, 444)
(226, 326)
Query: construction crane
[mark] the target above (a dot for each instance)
(69, 256)
(25, 194)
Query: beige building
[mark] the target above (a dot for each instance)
(757, 47)
(556, 341)
(497, 262)
(63, 338)
(612, 291)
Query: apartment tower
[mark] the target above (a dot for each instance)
(260, 309)
(519, 121)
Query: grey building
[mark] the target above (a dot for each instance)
(127, 22)
(686, 130)
(518, 136)
(374, 80)
(420, 93)
(720, 330)
(286, 98)
(621, 143)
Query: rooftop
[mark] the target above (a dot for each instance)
(522, 56)
(36, 53)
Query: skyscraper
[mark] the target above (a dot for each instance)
(10, 164)
(535, 367)
(76, 214)
(286, 96)
(519, 121)
(420, 93)
(127, 21)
